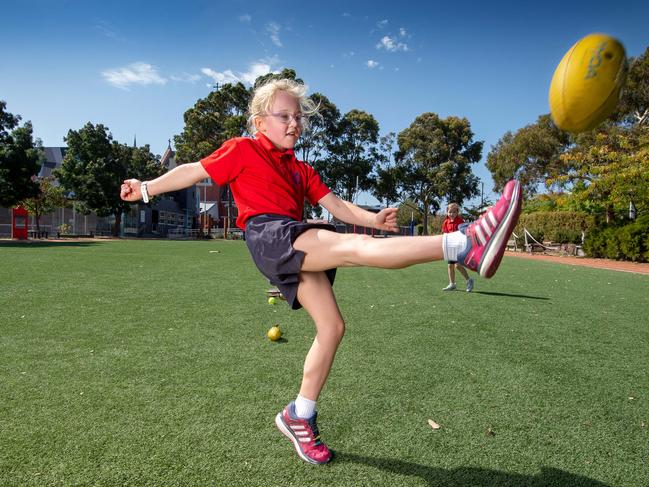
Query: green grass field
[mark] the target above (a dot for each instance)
(146, 363)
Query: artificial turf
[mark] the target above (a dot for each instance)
(146, 363)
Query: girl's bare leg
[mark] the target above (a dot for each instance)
(325, 250)
(462, 271)
(317, 298)
(451, 273)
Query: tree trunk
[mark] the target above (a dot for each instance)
(37, 215)
(425, 229)
(118, 223)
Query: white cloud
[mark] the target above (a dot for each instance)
(347, 14)
(223, 77)
(402, 32)
(255, 69)
(185, 77)
(134, 74)
(273, 29)
(245, 18)
(371, 64)
(382, 24)
(391, 44)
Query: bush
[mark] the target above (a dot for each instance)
(435, 224)
(555, 226)
(64, 229)
(612, 244)
(627, 242)
(631, 241)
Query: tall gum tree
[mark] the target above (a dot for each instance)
(435, 156)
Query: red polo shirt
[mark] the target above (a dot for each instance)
(263, 178)
(449, 225)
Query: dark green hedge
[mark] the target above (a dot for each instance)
(554, 226)
(626, 242)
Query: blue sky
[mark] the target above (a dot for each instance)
(137, 66)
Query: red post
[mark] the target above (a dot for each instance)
(19, 227)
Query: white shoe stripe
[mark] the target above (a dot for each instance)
(302, 433)
(478, 232)
(485, 225)
(492, 219)
(304, 440)
(297, 427)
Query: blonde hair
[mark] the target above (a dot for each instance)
(264, 96)
(453, 206)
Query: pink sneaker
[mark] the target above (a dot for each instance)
(304, 435)
(487, 236)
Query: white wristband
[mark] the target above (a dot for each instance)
(145, 193)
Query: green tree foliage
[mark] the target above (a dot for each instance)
(286, 73)
(530, 154)
(388, 174)
(95, 165)
(409, 211)
(20, 159)
(435, 156)
(211, 121)
(321, 128)
(49, 197)
(634, 105)
(609, 167)
(352, 154)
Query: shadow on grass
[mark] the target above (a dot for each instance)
(471, 476)
(523, 296)
(42, 244)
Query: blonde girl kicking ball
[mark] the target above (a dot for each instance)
(269, 186)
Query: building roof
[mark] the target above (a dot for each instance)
(53, 159)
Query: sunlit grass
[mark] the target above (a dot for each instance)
(146, 363)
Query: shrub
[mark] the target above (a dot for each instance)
(627, 242)
(555, 226)
(631, 241)
(611, 244)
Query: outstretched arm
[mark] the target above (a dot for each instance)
(348, 212)
(179, 177)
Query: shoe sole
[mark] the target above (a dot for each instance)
(496, 247)
(286, 431)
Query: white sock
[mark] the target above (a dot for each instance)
(304, 408)
(453, 244)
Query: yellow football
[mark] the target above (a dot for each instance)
(585, 88)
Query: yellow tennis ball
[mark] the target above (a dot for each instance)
(272, 300)
(585, 88)
(274, 333)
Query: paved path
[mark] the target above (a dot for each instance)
(613, 265)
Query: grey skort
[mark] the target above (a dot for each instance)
(270, 241)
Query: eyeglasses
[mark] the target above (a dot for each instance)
(286, 118)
